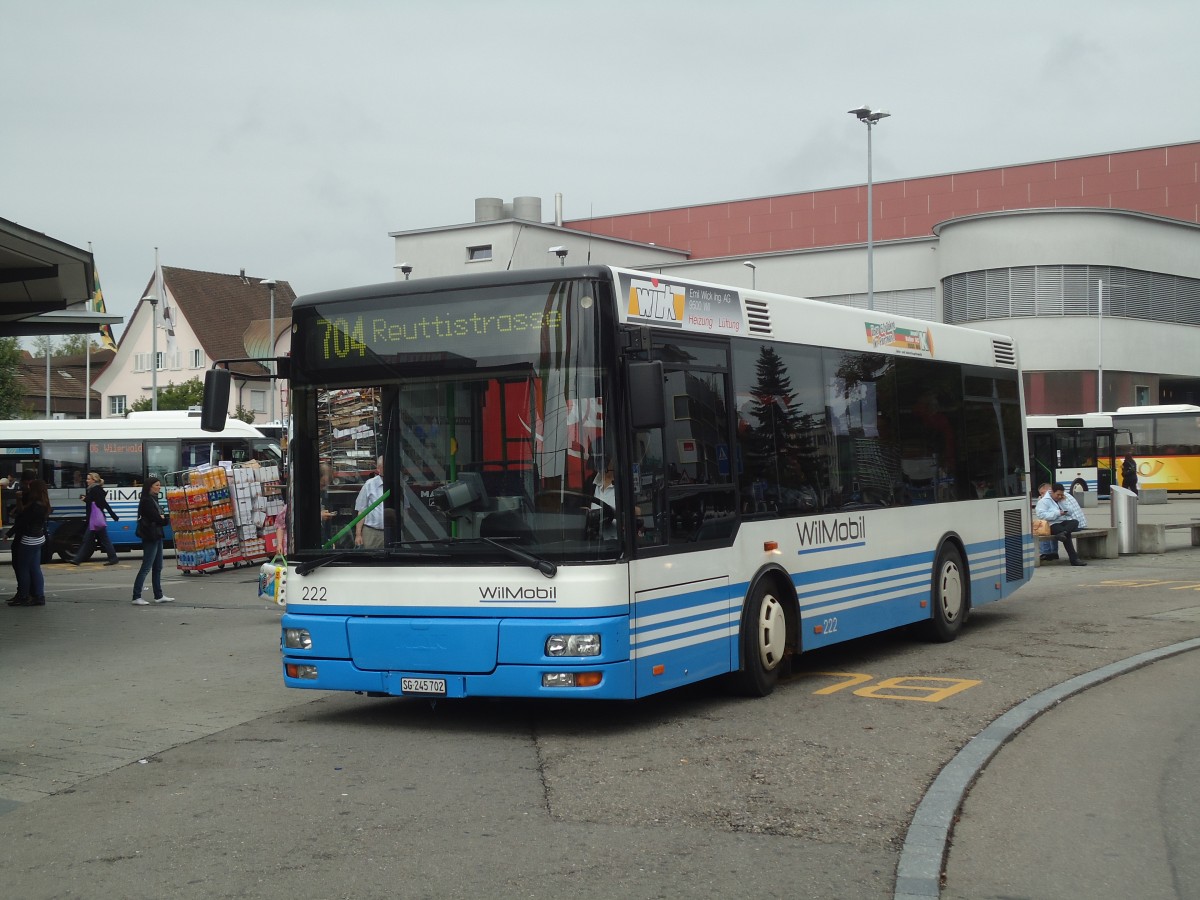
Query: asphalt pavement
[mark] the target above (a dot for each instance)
(90, 684)
(1124, 742)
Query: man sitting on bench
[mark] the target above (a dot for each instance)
(1065, 517)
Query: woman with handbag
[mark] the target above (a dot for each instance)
(97, 525)
(29, 531)
(151, 523)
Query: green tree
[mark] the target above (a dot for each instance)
(44, 345)
(76, 345)
(174, 396)
(246, 415)
(12, 404)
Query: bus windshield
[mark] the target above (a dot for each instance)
(454, 427)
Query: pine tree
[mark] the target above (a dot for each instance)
(781, 450)
(773, 408)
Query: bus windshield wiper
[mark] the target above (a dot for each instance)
(305, 567)
(544, 566)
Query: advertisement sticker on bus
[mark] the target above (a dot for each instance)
(909, 341)
(705, 309)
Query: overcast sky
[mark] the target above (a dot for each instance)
(288, 137)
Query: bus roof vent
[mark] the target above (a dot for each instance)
(758, 317)
(1004, 353)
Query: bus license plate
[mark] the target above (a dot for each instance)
(423, 686)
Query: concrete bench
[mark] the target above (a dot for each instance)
(1097, 543)
(1153, 538)
(1093, 543)
(1151, 496)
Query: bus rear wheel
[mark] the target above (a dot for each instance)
(950, 596)
(71, 550)
(764, 641)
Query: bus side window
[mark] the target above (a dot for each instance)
(118, 462)
(700, 490)
(649, 489)
(64, 464)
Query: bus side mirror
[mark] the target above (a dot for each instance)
(646, 408)
(216, 400)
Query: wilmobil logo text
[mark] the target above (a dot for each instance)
(497, 592)
(820, 534)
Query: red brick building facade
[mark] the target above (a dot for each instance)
(1163, 181)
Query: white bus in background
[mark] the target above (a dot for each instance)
(787, 474)
(1078, 451)
(123, 452)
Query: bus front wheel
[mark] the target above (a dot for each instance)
(764, 641)
(950, 596)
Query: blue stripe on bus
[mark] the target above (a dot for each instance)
(834, 547)
(681, 637)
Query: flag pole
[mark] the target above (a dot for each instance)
(158, 291)
(1100, 346)
(106, 337)
(87, 347)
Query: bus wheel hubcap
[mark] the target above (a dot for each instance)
(952, 592)
(772, 632)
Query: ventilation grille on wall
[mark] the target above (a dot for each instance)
(758, 315)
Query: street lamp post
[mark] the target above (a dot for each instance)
(153, 300)
(270, 283)
(753, 273)
(870, 118)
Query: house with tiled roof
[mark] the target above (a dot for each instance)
(65, 380)
(201, 317)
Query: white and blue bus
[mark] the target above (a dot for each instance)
(122, 451)
(1077, 451)
(788, 474)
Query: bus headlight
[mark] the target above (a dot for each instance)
(297, 639)
(573, 645)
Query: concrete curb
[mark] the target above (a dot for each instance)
(919, 872)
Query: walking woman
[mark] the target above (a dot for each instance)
(97, 525)
(29, 530)
(151, 523)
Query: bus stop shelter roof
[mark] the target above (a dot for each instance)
(41, 278)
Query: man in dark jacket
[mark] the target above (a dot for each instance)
(1129, 476)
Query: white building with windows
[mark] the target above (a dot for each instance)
(1091, 263)
(201, 317)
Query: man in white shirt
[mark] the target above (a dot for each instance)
(1052, 508)
(368, 533)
